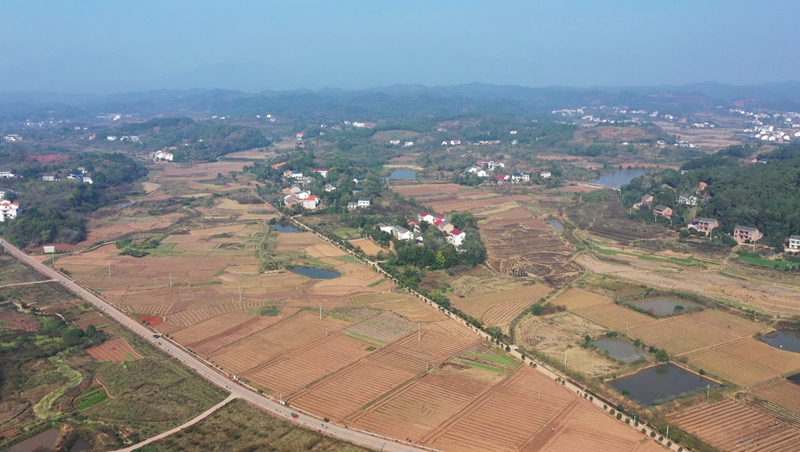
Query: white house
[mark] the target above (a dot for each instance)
(311, 202)
(3, 192)
(394, 142)
(87, 180)
(49, 178)
(299, 136)
(689, 200)
(302, 195)
(329, 188)
(111, 138)
(352, 205)
(401, 233)
(363, 203)
(545, 174)
(165, 156)
(408, 144)
(322, 171)
(480, 172)
(387, 228)
(526, 177)
(9, 210)
(794, 244)
(6, 175)
(456, 237)
(426, 217)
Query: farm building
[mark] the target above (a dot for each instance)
(687, 199)
(352, 205)
(7, 175)
(704, 225)
(794, 244)
(747, 234)
(456, 237)
(663, 211)
(311, 202)
(647, 199)
(9, 210)
(363, 203)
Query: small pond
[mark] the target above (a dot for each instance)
(664, 306)
(660, 383)
(554, 223)
(284, 228)
(784, 340)
(403, 174)
(619, 177)
(45, 441)
(315, 272)
(621, 350)
(80, 446)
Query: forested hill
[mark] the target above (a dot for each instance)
(762, 195)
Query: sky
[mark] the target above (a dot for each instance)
(108, 46)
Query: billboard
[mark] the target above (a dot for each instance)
(50, 249)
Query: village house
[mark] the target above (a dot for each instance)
(311, 202)
(501, 178)
(322, 171)
(161, 155)
(705, 225)
(663, 211)
(87, 180)
(746, 234)
(687, 199)
(329, 188)
(794, 244)
(352, 205)
(49, 178)
(387, 228)
(426, 217)
(7, 175)
(480, 172)
(401, 233)
(290, 200)
(111, 138)
(302, 195)
(526, 177)
(363, 203)
(12, 138)
(647, 199)
(289, 174)
(456, 237)
(545, 174)
(394, 142)
(299, 136)
(408, 144)
(701, 187)
(9, 210)
(4, 191)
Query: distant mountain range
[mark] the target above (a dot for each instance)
(398, 102)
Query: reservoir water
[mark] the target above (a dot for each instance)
(403, 174)
(661, 383)
(284, 228)
(620, 349)
(554, 223)
(43, 441)
(619, 177)
(80, 446)
(784, 340)
(315, 272)
(664, 306)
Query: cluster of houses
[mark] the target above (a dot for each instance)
(398, 232)
(133, 138)
(161, 156)
(771, 134)
(452, 234)
(406, 144)
(7, 175)
(484, 167)
(9, 210)
(298, 194)
(11, 138)
(81, 175)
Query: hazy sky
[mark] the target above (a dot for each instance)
(109, 46)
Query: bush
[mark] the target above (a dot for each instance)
(702, 372)
(619, 416)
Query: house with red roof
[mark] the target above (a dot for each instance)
(456, 237)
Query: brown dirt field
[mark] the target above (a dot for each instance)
(19, 322)
(213, 326)
(573, 324)
(770, 297)
(422, 190)
(483, 281)
(283, 337)
(385, 327)
(297, 241)
(503, 314)
(783, 392)
(614, 317)
(368, 299)
(213, 343)
(413, 309)
(586, 430)
(479, 305)
(368, 246)
(729, 425)
(575, 299)
(153, 320)
(318, 359)
(91, 318)
(682, 334)
(116, 349)
(427, 402)
(197, 314)
(745, 362)
(538, 333)
(324, 250)
(482, 425)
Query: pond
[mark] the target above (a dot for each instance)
(315, 272)
(285, 228)
(784, 340)
(620, 349)
(554, 223)
(403, 174)
(663, 306)
(45, 441)
(619, 177)
(80, 446)
(661, 383)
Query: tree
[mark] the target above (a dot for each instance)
(90, 330)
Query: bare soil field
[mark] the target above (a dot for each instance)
(116, 349)
(368, 246)
(413, 309)
(308, 364)
(414, 410)
(19, 322)
(424, 191)
(614, 317)
(575, 299)
(91, 318)
(383, 328)
(297, 241)
(778, 398)
(482, 281)
(682, 334)
(769, 297)
(503, 314)
(479, 305)
(214, 325)
(213, 343)
(13, 271)
(730, 425)
(745, 362)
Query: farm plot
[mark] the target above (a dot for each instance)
(573, 324)
(585, 429)
(483, 283)
(413, 309)
(479, 305)
(18, 322)
(116, 349)
(368, 246)
(213, 326)
(778, 398)
(482, 426)
(308, 364)
(414, 410)
(91, 318)
(290, 334)
(297, 241)
(197, 314)
(213, 343)
(730, 425)
(13, 271)
(383, 328)
(502, 315)
(48, 296)
(575, 299)
(683, 334)
(745, 362)
(614, 317)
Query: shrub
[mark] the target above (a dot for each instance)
(644, 430)
(652, 434)
(613, 411)
(619, 415)
(702, 372)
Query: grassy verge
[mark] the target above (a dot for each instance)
(480, 365)
(375, 283)
(780, 265)
(502, 360)
(349, 258)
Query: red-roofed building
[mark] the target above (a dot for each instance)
(425, 217)
(311, 202)
(456, 237)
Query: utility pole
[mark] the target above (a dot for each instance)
(419, 331)
(170, 280)
(320, 311)
(565, 360)
(109, 268)
(626, 327)
(240, 294)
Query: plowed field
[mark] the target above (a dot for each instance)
(729, 425)
(478, 306)
(615, 317)
(114, 350)
(575, 299)
(745, 362)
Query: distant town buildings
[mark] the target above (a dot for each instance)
(9, 210)
(161, 156)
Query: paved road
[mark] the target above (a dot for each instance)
(354, 436)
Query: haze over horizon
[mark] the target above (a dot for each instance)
(97, 47)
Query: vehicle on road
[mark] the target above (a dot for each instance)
(294, 415)
(156, 336)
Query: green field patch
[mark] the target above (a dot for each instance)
(349, 258)
(363, 337)
(480, 366)
(167, 246)
(347, 233)
(375, 283)
(89, 398)
(130, 356)
(498, 359)
(757, 260)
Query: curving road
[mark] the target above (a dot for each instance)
(273, 407)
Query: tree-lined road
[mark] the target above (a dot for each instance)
(354, 436)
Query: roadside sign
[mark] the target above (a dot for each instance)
(50, 249)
